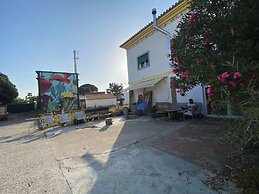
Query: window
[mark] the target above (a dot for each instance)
(143, 61)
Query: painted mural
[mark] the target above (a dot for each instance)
(58, 91)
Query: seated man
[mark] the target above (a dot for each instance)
(190, 108)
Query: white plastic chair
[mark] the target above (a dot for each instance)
(64, 119)
(47, 121)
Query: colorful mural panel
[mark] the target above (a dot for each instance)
(58, 91)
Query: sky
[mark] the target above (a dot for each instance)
(37, 35)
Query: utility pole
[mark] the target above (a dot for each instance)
(75, 58)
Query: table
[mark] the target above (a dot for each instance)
(173, 114)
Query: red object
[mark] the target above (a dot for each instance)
(61, 79)
(44, 84)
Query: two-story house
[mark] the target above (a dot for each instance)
(149, 71)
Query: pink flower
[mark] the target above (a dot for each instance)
(184, 74)
(209, 91)
(221, 79)
(181, 91)
(237, 75)
(213, 67)
(188, 78)
(233, 84)
(174, 71)
(225, 75)
(191, 19)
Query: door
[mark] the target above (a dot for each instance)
(148, 100)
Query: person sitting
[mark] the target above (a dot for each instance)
(190, 108)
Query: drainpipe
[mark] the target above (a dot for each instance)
(162, 31)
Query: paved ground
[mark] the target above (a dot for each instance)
(94, 158)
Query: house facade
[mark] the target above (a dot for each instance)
(98, 99)
(149, 71)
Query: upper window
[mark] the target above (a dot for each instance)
(143, 61)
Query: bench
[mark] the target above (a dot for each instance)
(174, 111)
(79, 116)
(64, 119)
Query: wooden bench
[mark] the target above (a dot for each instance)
(174, 111)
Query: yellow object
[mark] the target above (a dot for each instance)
(67, 94)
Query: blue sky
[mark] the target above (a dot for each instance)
(42, 34)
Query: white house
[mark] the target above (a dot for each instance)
(149, 70)
(99, 99)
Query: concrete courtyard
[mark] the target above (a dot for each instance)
(95, 158)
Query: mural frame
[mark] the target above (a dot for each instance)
(41, 105)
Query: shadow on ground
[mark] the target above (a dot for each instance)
(133, 165)
(30, 136)
(18, 118)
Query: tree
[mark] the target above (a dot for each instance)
(87, 88)
(217, 45)
(19, 101)
(32, 99)
(116, 89)
(8, 91)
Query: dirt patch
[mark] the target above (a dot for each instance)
(200, 142)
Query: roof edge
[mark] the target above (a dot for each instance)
(162, 19)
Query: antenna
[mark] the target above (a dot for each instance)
(75, 59)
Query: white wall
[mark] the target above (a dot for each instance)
(126, 97)
(161, 92)
(196, 94)
(156, 46)
(100, 102)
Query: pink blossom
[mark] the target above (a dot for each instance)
(225, 75)
(174, 71)
(237, 75)
(221, 79)
(213, 67)
(184, 74)
(233, 84)
(209, 91)
(181, 91)
(191, 19)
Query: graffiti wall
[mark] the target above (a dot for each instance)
(58, 91)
